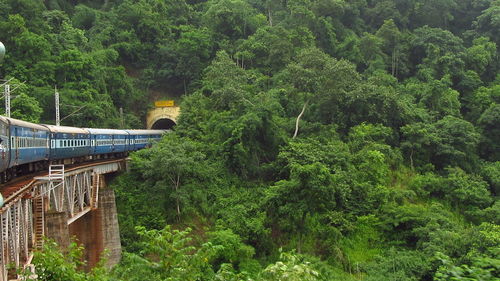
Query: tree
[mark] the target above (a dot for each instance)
(480, 55)
(316, 77)
(391, 36)
(290, 267)
(449, 141)
(232, 19)
(467, 192)
(309, 190)
(488, 124)
(174, 162)
(439, 51)
(26, 108)
(168, 254)
(194, 48)
(53, 264)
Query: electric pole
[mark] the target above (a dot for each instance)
(7, 86)
(58, 116)
(7, 100)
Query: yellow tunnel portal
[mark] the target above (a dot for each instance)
(163, 117)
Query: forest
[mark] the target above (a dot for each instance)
(318, 139)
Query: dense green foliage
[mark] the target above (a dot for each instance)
(320, 139)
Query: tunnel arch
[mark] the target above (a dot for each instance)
(163, 124)
(162, 117)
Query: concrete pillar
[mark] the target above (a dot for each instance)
(86, 230)
(110, 228)
(56, 228)
(98, 231)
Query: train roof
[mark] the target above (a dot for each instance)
(22, 123)
(107, 131)
(146, 132)
(67, 130)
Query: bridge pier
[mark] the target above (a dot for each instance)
(57, 228)
(110, 229)
(97, 230)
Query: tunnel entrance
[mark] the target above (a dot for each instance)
(163, 124)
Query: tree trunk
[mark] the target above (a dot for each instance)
(298, 120)
(393, 62)
(411, 159)
(301, 232)
(270, 15)
(177, 198)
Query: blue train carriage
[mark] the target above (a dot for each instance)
(143, 138)
(68, 145)
(28, 146)
(108, 142)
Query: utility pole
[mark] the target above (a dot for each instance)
(58, 116)
(7, 100)
(7, 86)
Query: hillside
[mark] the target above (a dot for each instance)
(318, 140)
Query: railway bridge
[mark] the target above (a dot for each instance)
(60, 204)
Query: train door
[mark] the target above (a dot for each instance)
(4, 146)
(15, 140)
(93, 144)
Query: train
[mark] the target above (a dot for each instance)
(27, 147)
